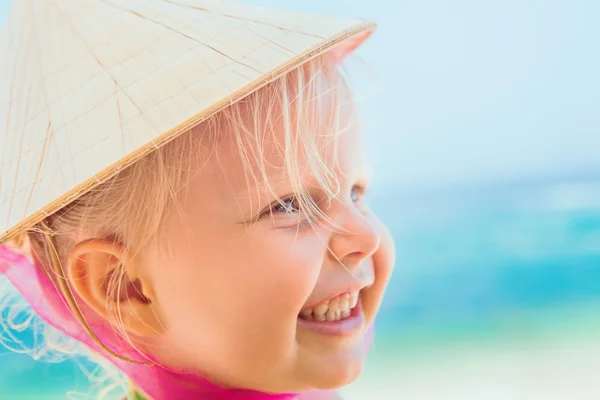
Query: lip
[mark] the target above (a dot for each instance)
(344, 327)
(354, 288)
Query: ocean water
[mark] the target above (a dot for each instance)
(496, 295)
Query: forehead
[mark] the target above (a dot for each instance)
(280, 141)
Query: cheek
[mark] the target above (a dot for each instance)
(288, 264)
(256, 284)
(274, 271)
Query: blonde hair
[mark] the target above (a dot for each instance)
(132, 214)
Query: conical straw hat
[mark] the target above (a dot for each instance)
(87, 87)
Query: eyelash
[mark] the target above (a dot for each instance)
(357, 193)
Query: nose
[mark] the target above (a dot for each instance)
(355, 238)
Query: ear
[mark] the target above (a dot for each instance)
(106, 279)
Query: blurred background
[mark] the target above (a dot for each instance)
(483, 129)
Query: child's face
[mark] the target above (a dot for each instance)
(231, 292)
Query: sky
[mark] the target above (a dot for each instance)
(471, 91)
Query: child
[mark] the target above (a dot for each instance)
(215, 250)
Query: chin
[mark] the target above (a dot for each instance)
(335, 375)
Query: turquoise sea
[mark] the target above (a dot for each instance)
(496, 295)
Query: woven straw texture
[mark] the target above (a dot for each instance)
(87, 87)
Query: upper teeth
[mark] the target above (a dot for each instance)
(333, 309)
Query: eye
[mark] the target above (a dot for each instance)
(357, 193)
(287, 206)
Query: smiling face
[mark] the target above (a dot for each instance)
(246, 258)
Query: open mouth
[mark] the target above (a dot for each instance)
(336, 309)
